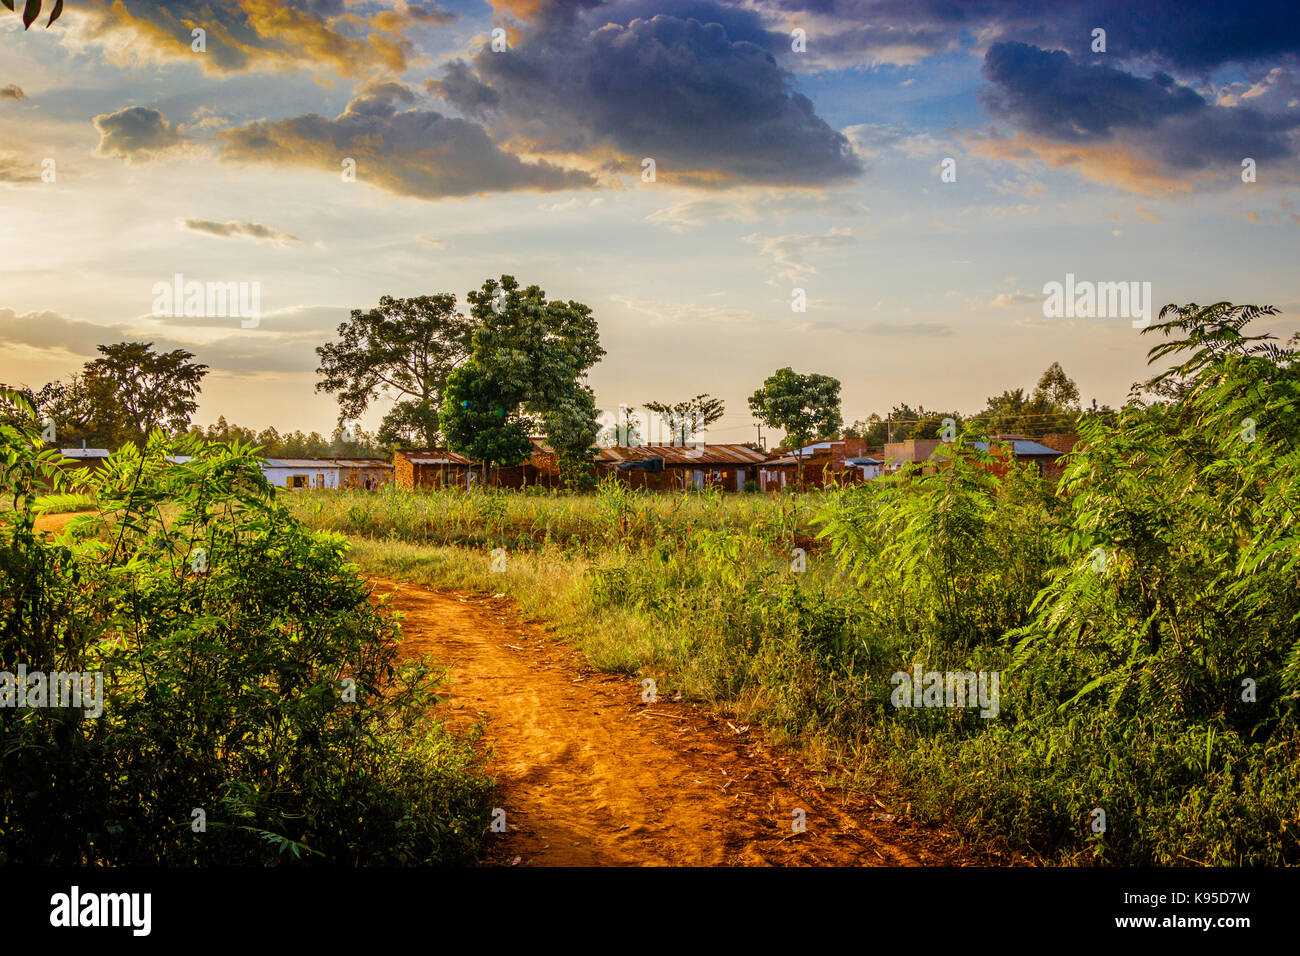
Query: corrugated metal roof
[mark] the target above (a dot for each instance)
(682, 455)
(431, 456)
(362, 463)
(84, 452)
(1022, 449)
(299, 463)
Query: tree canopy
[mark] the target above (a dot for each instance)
(529, 357)
(685, 419)
(805, 407)
(405, 349)
(124, 395)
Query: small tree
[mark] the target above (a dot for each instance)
(803, 406)
(685, 419)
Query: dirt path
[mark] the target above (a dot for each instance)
(591, 775)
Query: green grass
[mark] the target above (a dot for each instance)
(697, 591)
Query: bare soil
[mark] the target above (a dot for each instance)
(590, 774)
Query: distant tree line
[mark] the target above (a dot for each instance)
(1052, 407)
(482, 385)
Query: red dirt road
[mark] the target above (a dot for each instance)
(588, 774)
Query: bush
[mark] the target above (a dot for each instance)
(246, 675)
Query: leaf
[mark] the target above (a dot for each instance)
(54, 14)
(31, 12)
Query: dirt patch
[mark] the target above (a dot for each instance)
(589, 774)
(54, 524)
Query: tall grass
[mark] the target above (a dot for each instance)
(1142, 615)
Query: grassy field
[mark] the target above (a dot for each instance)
(700, 592)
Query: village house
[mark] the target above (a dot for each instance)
(442, 468)
(432, 468)
(326, 473)
(1046, 457)
(675, 467)
(830, 462)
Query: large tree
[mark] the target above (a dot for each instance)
(531, 356)
(805, 407)
(123, 395)
(685, 419)
(404, 350)
(481, 419)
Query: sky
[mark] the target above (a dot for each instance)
(913, 172)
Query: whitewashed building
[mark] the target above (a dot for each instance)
(327, 473)
(301, 473)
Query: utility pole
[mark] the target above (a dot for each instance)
(889, 428)
(761, 446)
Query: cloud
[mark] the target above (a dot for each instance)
(14, 169)
(242, 352)
(414, 152)
(788, 251)
(1107, 164)
(709, 108)
(685, 213)
(1194, 37)
(436, 243)
(12, 92)
(234, 229)
(292, 322)
(136, 133)
(1006, 299)
(1048, 95)
(350, 39)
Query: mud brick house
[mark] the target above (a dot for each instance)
(677, 467)
(431, 468)
(1005, 447)
(1046, 455)
(368, 473)
(441, 468)
(78, 463)
(541, 470)
(913, 450)
(834, 462)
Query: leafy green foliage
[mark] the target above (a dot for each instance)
(530, 356)
(226, 633)
(404, 349)
(481, 419)
(804, 406)
(32, 10)
(123, 395)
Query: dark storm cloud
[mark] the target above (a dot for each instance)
(1190, 36)
(413, 152)
(705, 106)
(1050, 94)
